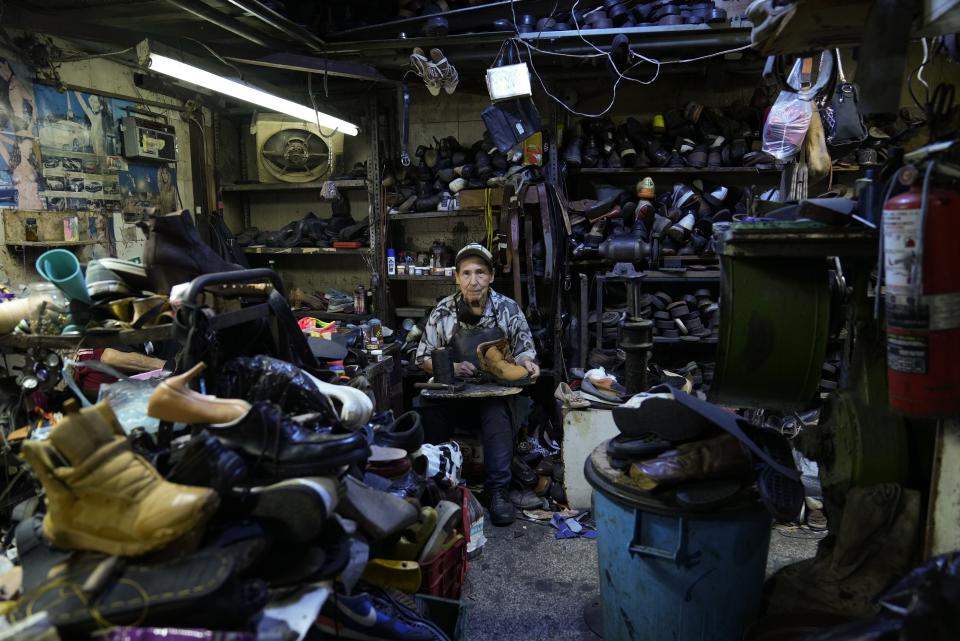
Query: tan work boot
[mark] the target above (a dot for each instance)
(174, 401)
(102, 497)
(495, 359)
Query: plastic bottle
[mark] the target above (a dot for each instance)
(391, 262)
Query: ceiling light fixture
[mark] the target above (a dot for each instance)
(245, 92)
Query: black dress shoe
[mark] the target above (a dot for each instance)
(406, 433)
(501, 509)
(277, 446)
(205, 462)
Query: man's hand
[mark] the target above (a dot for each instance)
(464, 369)
(531, 366)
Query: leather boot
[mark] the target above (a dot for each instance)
(102, 497)
(175, 253)
(130, 362)
(495, 359)
(719, 457)
(174, 401)
(501, 508)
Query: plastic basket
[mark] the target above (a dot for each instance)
(444, 575)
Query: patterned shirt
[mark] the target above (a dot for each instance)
(501, 311)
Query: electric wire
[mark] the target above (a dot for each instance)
(621, 76)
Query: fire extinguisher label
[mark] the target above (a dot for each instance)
(944, 311)
(934, 312)
(907, 312)
(901, 235)
(907, 354)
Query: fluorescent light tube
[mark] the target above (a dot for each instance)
(240, 91)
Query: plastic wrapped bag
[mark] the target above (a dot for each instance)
(788, 121)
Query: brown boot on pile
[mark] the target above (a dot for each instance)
(104, 498)
(497, 360)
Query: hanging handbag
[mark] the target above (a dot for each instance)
(842, 121)
(512, 121)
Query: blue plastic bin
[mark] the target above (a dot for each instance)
(670, 575)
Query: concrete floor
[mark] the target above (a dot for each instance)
(528, 586)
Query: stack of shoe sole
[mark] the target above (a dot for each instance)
(442, 170)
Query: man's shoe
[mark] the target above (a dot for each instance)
(278, 446)
(366, 616)
(204, 462)
(174, 401)
(501, 508)
(296, 508)
(102, 497)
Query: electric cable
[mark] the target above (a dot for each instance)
(601, 54)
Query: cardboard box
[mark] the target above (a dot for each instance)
(474, 198)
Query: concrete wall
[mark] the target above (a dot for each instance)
(108, 77)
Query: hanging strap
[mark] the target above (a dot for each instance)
(405, 125)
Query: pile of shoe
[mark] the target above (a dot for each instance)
(692, 318)
(685, 451)
(312, 231)
(695, 136)
(329, 300)
(618, 14)
(258, 505)
(537, 481)
(639, 224)
(444, 169)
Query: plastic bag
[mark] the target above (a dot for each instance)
(477, 538)
(264, 378)
(127, 396)
(788, 121)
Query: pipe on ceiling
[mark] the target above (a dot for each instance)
(281, 23)
(223, 21)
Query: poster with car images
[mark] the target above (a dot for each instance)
(19, 153)
(62, 151)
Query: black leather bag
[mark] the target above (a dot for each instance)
(842, 121)
(510, 122)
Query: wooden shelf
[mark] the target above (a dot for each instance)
(687, 276)
(436, 278)
(126, 337)
(663, 340)
(436, 214)
(51, 243)
(263, 187)
(332, 316)
(302, 251)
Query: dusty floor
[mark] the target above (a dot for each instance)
(527, 586)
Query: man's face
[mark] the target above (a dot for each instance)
(473, 279)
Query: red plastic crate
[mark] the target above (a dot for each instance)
(444, 575)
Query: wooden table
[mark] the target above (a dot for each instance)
(471, 390)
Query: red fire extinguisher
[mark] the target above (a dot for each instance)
(921, 262)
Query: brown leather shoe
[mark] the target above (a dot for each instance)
(130, 362)
(719, 457)
(173, 400)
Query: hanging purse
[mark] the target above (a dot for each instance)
(842, 122)
(511, 121)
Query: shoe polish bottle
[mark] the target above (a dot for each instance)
(391, 262)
